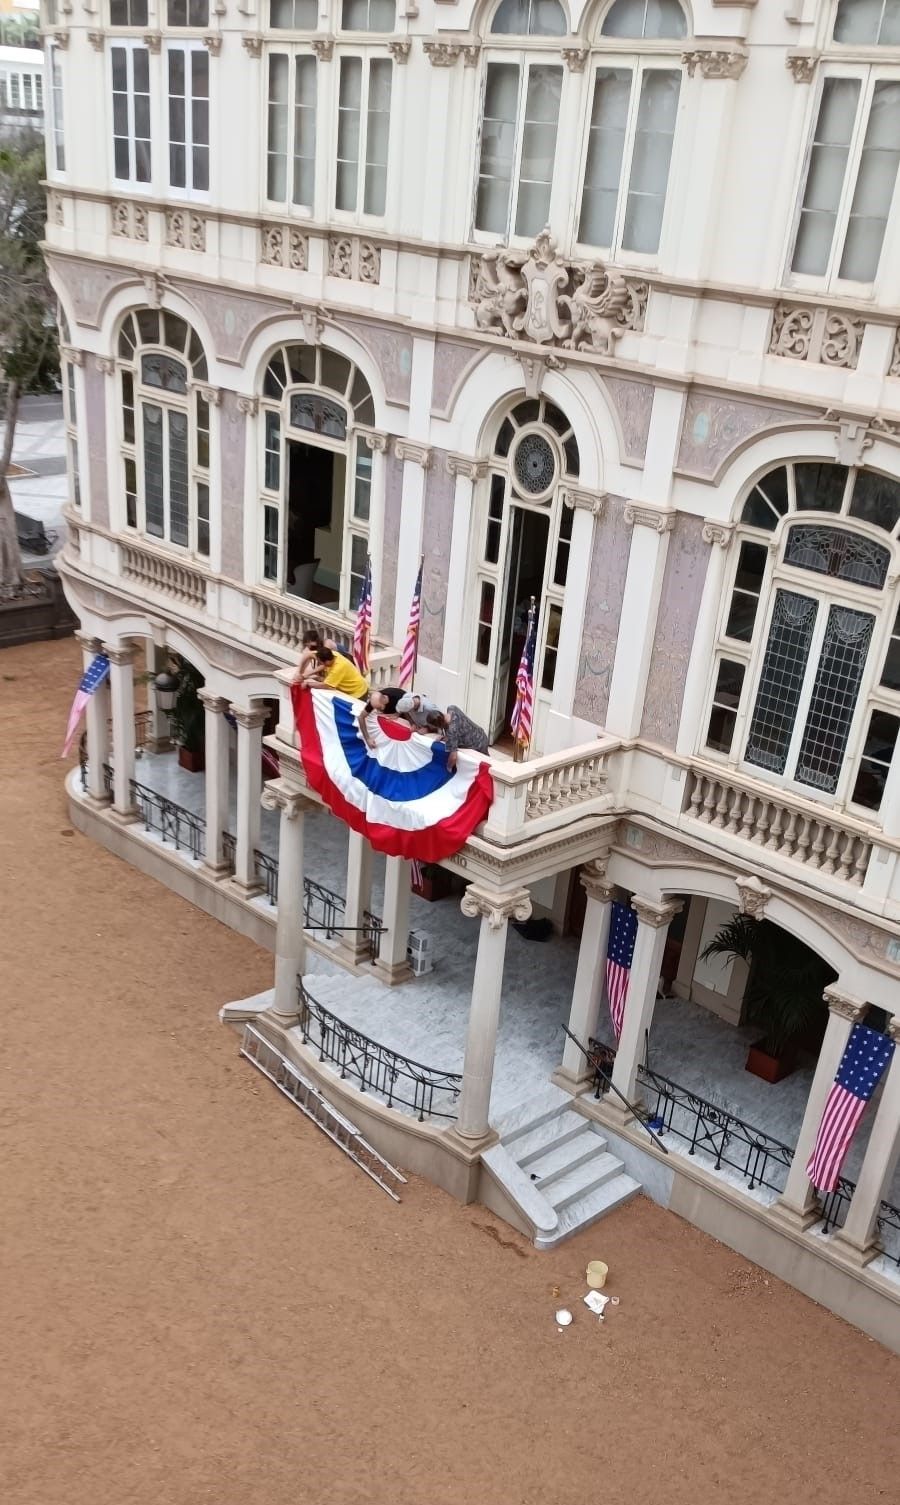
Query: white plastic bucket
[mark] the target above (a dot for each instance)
(596, 1274)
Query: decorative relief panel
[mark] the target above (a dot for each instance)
(537, 297)
(284, 246)
(185, 230)
(816, 334)
(354, 259)
(715, 62)
(713, 428)
(130, 220)
(633, 402)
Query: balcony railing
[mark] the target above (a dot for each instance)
(532, 795)
(166, 577)
(285, 622)
(323, 909)
(826, 843)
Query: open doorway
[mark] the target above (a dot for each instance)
(526, 561)
(315, 522)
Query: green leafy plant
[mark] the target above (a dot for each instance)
(786, 980)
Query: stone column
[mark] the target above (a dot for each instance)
(121, 676)
(249, 785)
(216, 748)
(494, 910)
(637, 617)
(654, 919)
(797, 1204)
(359, 899)
(696, 685)
(589, 991)
(158, 739)
(290, 936)
(96, 716)
(392, 961)
(857, 1238)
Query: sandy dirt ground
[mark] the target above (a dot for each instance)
(203, 1300)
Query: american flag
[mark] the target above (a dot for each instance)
(523, 710)
(91, 679)
(619, 955)
(861, 1069)
(416, 874)
(411, 646)
(362, 632)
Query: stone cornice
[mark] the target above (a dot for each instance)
(845, 1004)
(495, 906)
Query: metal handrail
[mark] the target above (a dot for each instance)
(322, 907)
(635, 1112)
(403, 1082)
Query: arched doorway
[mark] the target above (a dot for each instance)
(523, 533)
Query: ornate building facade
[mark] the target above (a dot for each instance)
(592, 303)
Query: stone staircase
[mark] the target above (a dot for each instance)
(557, 1167)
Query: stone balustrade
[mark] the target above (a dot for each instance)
(821, 840)
(284, 622)
(530, 797)
(163, 575)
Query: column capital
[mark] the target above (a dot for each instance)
(89, 643)
(893, 1029)
(652, 912)
(716, 532)
(120, 656)
(278, 794)
(661, 520)
(250, 719)
(218, 704)
(465, 465)
(753, 897)
(595, 883)
(845, 1004)
(495, 906)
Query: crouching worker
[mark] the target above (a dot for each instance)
(458, 731)
(335, 672)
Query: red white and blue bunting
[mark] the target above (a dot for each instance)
(400, 793)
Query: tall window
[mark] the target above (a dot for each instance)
(188, 12)
(631, 130)
(128, 12)
(519, 122)
(70, 415)
(316, 475)
(291, 124)
(368, 15)
(165, 429)
(187, 72)
(850, 173)
(806, 684)
(364, 117)
(131, 112)
(293, 15)
(57, 119)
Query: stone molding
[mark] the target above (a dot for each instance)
(577, 500)
(409, 449)
(650, 912)
(323, 47)
(596, 884)
(575, 58)
(495, 907)
(753, 897)
(399, 48)
(218, 704)
(802, 66)
(106, 364)
(845, 1004)
(121, 656)
(649, 517)
(252, 44)
(828, 336)
(720, 533)
(249, 406)
(250, 719)
(278, 794)
(715, 62)
(463, 465)
(376, 441)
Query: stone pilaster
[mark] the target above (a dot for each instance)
(588, 993)
(217, 781)
(654, 918)
(290, 935)
(494, 909)
(249, 785)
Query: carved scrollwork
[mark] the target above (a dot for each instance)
(463, 465)
(252, 44)
(213, 42)
(130, 220)
(845, 1005)
(277, 794)
(575, 58)
(399, 48)
(496, 907)
(720, 533)
(715, 62)
(442, 54)
(827, 335)
(753, 897)
(584, 501)
(802, 66)
(354, 259)
(284, 246)
(409, 449)
(185, 230)
(323, 47)
(659, 519)
(249, 406)
(650, 912)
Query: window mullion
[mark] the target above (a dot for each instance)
(637, 78)
(854, 159)
(823, 607)
(521, 106)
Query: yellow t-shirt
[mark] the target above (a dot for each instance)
(343, 675)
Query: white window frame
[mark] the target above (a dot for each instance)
(72, 397)
(292, 51)
(55, 106)
(134, 451)
(367, 55)
(130, 46)
(187, 46)
(868, 74)
(539, 54)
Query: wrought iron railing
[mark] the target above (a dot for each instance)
(400, 1081)
(264, 866)
(185, 830)
(836, 1205)
(143, 726)
(323, 909)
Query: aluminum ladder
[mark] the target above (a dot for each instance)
(305, 1096)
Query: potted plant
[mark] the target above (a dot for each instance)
(188, 718)
(783, 995)
(431, 882)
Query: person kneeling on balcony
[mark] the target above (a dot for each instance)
(333, 671)
(417, 709)
(458, 732)
(310, 643)
(381, 702)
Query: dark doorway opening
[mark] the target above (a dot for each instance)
(528, 537)
(315, 522)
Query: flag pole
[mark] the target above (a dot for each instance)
(520, 748)
(419, 627)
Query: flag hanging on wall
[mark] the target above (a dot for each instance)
(619, 956)
(91, 680)
(523, 710)
(411, 646)
(362, 632)
(861, 1069)
(398, 793)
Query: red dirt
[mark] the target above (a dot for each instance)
(203, 1300)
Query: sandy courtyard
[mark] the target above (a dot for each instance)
(203, 1300)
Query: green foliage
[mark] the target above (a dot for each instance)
(783, 996)
(188, 719)
(28, 353)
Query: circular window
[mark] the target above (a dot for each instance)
(534, 464)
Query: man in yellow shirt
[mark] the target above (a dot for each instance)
(335, 672)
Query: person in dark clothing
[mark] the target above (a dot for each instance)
(458, 731)
(383, 701)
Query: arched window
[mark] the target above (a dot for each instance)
(634, 105)
(850, 170)
(316, 472)
(165, 429)
(519, 120)
(525, 531)
(807, 679)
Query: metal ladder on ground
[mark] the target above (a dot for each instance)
(305, 1096)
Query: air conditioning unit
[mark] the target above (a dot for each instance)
(419, 953)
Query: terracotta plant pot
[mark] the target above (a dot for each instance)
(770, 1068)
(192, 762)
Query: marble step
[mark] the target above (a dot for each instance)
(573, 1151)
(528, 1145)
(589, 1209)
(586, 1177)
(546, 1103)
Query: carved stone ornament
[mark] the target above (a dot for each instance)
(442, 54)
(753, 896)
(845, 1005)
(323, 47)
(408, 449)
(278, 794)
(463, 465)
(97, 40)
(217, 704)
(894, 367)
(720, 533)
(185, 230)
(213, 43)
(153, 286)
(313, 321)
(153, 41)
(354, 259)
(496, 907)
(575, 58)
(853, 437)
(661, 520)
(250, 719)
(584, 501)
(534, 368)
(714, 62)
(595, 882)
(252, 44)
(399, 48)
(105, 364)
(885, 428)
(61, 39)
(802, 66)
(249, 406)
(376, 442)
(471, 51)
(69, 353)
(54, 208)
(816, 334)
(650, 912)
(538, 297)
(212, 395)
